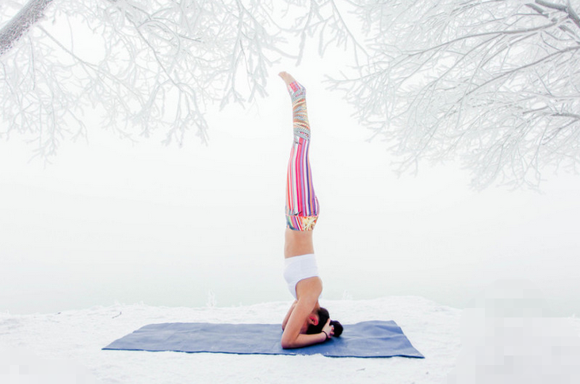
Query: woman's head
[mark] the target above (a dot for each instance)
(323, 317)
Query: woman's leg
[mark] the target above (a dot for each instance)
(301, 202)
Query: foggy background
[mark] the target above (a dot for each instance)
(111, 221)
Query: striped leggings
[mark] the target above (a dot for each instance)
(301, 202)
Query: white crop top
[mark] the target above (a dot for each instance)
(298, 268)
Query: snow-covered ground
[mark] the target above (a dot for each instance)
(65, 347)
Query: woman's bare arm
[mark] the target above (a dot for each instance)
(292, 337)
(288, 314)
(304, 340)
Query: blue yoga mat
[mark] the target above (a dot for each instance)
(365, 339)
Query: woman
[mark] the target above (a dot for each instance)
(306, 323)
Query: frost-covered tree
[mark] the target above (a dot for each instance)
(494, 83)
(151, 65)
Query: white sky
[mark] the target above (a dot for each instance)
(112, 221)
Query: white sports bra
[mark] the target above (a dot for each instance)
(298, 268)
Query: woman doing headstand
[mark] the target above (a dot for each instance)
(306, 322)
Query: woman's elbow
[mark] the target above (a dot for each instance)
(286, 344)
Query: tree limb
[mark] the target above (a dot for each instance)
(21, 23)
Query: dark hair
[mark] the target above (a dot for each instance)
(323, 317)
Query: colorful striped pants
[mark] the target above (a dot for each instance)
(301, 202)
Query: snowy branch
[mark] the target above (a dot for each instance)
(493, 83)
(152, 66)
(486, 82)
(21, 22)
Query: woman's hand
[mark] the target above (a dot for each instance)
(328, 329)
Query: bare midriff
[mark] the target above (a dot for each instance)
(298, 243)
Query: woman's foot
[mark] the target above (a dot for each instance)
(295, 89)
(300, 116)
(288, 79)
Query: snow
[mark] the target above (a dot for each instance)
(66, 346)
(78, 336)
